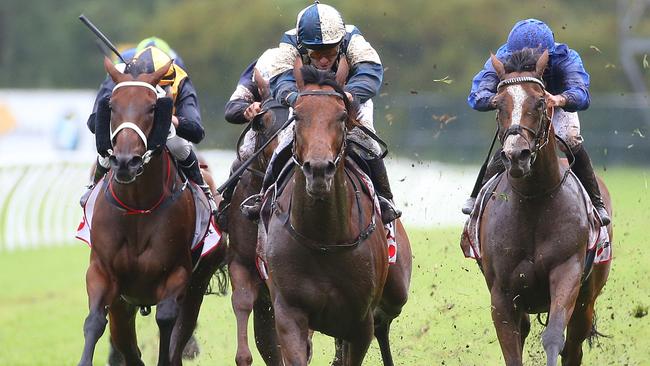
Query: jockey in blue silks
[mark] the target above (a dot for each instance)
(321, 39)
(567, 89)
(150, 55)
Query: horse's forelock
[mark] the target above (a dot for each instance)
(522, 61)
(312, 75)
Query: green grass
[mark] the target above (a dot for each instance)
(446, 321)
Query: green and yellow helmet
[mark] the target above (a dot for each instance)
(158, 43)
(150, 59)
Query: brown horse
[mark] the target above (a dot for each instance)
(249, 293)
(140, 253)
(327, 262)
(534, 231)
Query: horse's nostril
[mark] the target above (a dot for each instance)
(306, 166)
(503, 155)
(135, 162)
(113, 160)
(525, 154)
(331, 168)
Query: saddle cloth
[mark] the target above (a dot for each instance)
(598, 236)
(206, 233)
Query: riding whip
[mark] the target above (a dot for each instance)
(101, 36)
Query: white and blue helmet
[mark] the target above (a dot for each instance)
(319, 26)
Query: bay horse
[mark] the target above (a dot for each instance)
(140, 254)
(534, 230)
(249, 292)
(325, 256)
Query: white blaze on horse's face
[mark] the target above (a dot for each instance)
(518, 95)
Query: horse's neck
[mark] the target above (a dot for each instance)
(545, 172)
(326, 220)
(149, 186)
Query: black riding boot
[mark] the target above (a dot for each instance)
(100, 171)
(379, 178)
(192, 170)
(252, 205)
(495, 166)
(585, 172)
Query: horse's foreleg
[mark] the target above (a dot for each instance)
(167, 311)
(382, 331)
(507, 322)
(100, 292)
(564, 285)
(264, 324)
(123, 335)
(292, 326)
(357, 348)
(244, 293)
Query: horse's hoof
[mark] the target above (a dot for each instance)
(191, 350)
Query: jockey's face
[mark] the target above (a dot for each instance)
(324, 58)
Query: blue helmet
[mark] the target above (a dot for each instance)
(531, 33)
(319, 26)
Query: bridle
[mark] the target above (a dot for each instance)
(146, 157)
(341, 151)
(541, 136)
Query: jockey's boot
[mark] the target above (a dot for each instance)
(495, 166)
(100, 171)
(585, 172)
(379, 177)
(226, 198)
(252, 205)
(192, 170)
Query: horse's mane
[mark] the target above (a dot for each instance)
(524, 60)
(312, 75)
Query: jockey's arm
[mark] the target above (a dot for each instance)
(484, 87)
(364, 81)
(188, 113)
(243, 98)
(284, 89)
(105, 90)
(575, 82)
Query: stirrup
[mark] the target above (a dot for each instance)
(468, 206)
(222, 215)
(389, 212)
(86, 195)
(252, 211)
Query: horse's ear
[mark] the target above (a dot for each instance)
(498, 66)
(297, 74)
(343, 71)
(156, 76)
(262, 84)
(542, 61)
(112, 71)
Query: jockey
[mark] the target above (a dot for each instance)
(186, 125)
(567, 89)
(321, 39)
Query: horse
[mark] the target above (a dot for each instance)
(325, 257)
(142, 228)
(534, 230)
(249, 292)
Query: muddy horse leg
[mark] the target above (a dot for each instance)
(123, 335)
(382, 332)
(292, 327)
(167, 311)
(507, 322)
(100, 291)
(264, 325)
(564, 285)
(244, 293)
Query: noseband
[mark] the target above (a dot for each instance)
(541, 136)
(330, 93)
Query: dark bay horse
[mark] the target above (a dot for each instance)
(534, 231)
(140, 254)
(249, 292)
(326, 258)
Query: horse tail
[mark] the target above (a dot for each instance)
(594, 334)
